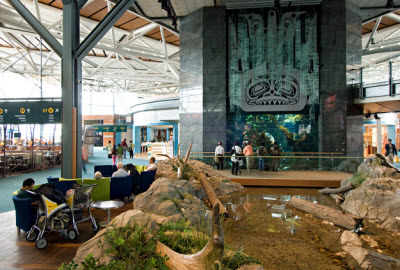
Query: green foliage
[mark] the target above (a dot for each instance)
(234, 260)
(181, 237)
(130, 247)
(357, 179)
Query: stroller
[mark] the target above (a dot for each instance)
(53, 214)
(77, 200)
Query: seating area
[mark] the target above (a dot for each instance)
(108, 188)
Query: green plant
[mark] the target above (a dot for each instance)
(181, 237)
(130, 247)
(357, 179)
(234, 260)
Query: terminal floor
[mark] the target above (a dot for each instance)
(12, 183)
(17, 253)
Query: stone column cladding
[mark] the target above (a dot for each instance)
(340, 35)
(203, 80)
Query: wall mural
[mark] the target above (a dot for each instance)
(273, 61)
(273, 78)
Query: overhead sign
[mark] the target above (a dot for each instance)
(110, 128)
(35, 112)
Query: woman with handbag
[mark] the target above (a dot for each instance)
(236, 152)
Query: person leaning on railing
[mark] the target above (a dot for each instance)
(219, 155)
(248, 152)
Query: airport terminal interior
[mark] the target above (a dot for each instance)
(200, 134)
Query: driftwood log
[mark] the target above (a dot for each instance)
(210, 193)
(347, 221)
(188, 153)
(385, 163)
(337, 198)
(205, 259)
(345, 188)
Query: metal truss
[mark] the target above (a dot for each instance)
(121, 61)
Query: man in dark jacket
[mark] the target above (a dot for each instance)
(390, 151)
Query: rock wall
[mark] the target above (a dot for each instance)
(223, 186)
(376, 199)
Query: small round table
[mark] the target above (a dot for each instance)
(107, 205)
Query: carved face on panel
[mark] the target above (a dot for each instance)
(262, 90)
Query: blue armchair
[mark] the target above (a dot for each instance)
(64, 186)
(52, 179)
(146, 179)
(25, 215)
(120, 187)
(106, 170)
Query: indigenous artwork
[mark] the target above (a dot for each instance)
(273, 60)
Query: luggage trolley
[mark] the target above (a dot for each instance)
(80, 198)
(51, 217)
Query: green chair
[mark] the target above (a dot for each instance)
(101, 192)
(140, 168)
(78, 180)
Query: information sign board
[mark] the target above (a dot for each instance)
(110, 128)
(34, 112)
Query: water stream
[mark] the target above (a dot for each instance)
(281, 237)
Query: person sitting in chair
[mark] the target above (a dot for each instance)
(121, 172)
(26, 185)
(152, 165)
(98, 175)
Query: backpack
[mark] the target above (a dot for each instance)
(262, 151)
(114, 152)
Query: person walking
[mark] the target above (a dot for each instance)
(124, 147)
(236, 151)
(248, 152)
(261, 153)
(219, 155)
(120, 152)
(130, 149)
(114, 154)
(275, 151)
(390, 151)
(109, 149)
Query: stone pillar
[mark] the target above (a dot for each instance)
(203, 80)
(339, 130)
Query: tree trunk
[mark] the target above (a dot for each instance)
(188, 153)
(347, 221)
(345, 188)
(212, 197)
(205, 259)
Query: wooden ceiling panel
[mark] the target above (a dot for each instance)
(45, 1)
(92, 7)
(57, 4)
(167, 33)
(155, 30)
(136, 23)
(155, 35)
(369, 26)
(100, 14)
(125, 18)
(387, 21)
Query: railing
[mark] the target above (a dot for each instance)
(309, 162)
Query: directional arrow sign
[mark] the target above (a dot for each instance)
(37, 113)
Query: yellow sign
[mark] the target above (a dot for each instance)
(1, 111)
(22, 110)
(50, 110)
(44, 110)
